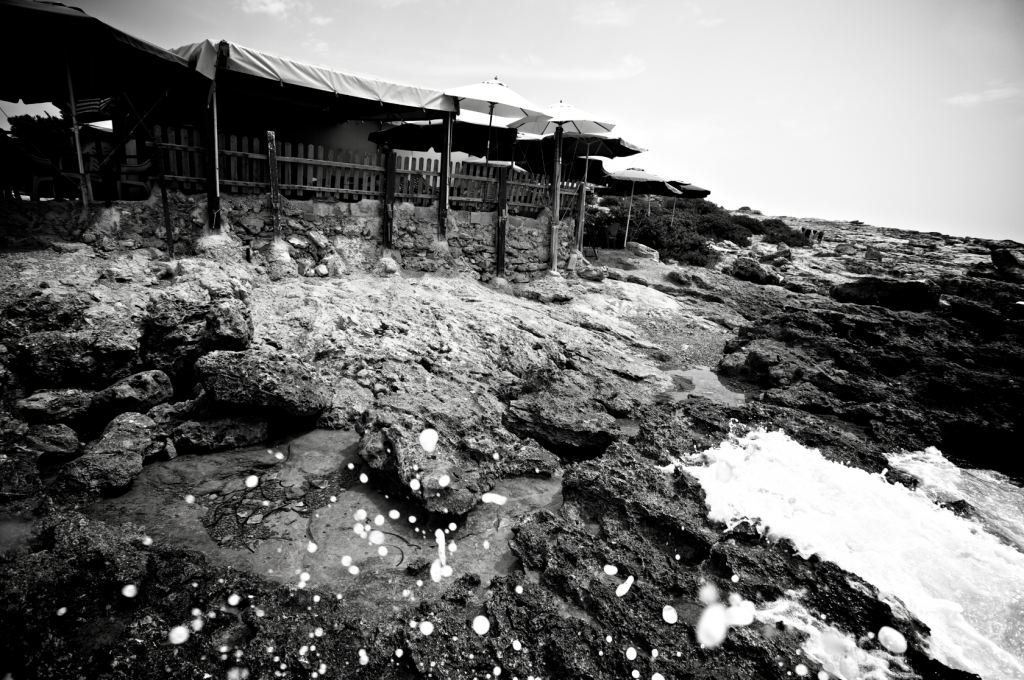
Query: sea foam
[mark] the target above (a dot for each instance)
(965, 584)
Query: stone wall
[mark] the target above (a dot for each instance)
(321, 238)
(470, 243)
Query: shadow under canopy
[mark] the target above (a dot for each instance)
(45, 41)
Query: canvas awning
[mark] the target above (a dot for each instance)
(42, 40)
(235, 58)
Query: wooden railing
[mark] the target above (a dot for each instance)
(315, 171)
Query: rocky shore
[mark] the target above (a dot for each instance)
(148, 438)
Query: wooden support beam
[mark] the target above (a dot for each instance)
(444, 190)
(556, 180)
(389, 198)
(501, 230)
(212, 159)
(275, 185)
(83, 177)
(168, 230)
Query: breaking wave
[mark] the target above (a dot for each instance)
(964, 583)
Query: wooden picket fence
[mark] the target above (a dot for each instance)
(315, 171)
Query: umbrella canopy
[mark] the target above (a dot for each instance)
(539, 153)
(495, 98)
(466, 137)
(690, 190)
(637, 181)
(566, 116)
(43, 40)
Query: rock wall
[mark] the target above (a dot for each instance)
(471, 243)
(322, 238)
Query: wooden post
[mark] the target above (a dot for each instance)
(159, 155)
(78, 142)
(556, 179)
(444, 192)
(389, 197)
(275, 185)
(502, 227)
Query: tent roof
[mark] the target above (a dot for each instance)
(203, 56)
(42, 39)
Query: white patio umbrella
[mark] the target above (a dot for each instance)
(559, 118)
(649, 184)
(494, 98)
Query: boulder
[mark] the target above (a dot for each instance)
(281, 384)
(679, 278)
(228, 325)
(197, 426)
(564, 419)
(184, 322)
(473, 449)
(747, 269)
(139, 393)
(386, 266)
(56, 440)
(115, 459)
(845, 249)
(873, 253)
(86, 358)
(591, 274)
(642, 251)
(67, 405)
(890, 293)
(1008, 266)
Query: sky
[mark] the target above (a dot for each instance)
(904, 114)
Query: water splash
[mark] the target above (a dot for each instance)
(997, 502)
(962, 582)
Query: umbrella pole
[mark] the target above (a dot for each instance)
(78, 142)
(556, 178)
(630, 213)
(487, 154)
(583, 203)
(672, 222)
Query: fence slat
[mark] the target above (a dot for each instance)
(287, 167)
(233, 160)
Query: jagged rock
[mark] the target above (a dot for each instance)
(69, 247)
(349, 402)
(183, 323)
(642, 251)
(680, 278)
(41, 310)
(747, 269)
(889, 293)
(115, 459)
(56, 440)
(197, 426)
(67, 405)
(1008, 266)
(386, 266)
(139, 393)
(563, 418)
(228, 325)
(473, 449)
(86, 358)
(281, 384)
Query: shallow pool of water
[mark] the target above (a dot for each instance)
(700, 381)
(316, 537)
